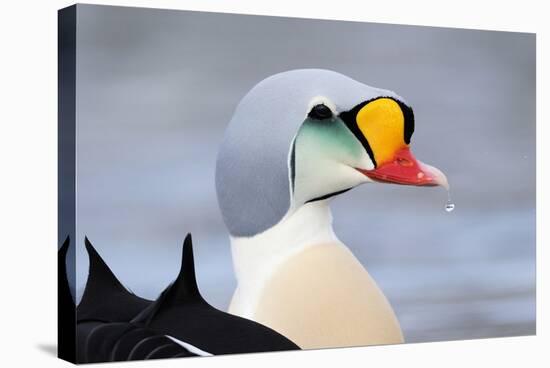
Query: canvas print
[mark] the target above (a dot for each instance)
(235, 184)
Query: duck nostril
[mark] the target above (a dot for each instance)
(404, 162)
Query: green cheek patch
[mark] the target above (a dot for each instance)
(329, 138)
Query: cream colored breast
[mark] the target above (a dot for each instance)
(323, 297)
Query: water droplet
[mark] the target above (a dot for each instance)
(449, 206)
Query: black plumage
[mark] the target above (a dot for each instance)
(66, 309)
(105, 298)
(144, 347)
(182, 312)
(114, 324)
(122, 348)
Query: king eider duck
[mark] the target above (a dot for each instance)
(296, 140)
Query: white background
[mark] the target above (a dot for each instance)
(28, 187)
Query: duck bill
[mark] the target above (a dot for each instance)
(405, 169)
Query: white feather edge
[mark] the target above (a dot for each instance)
(191, 348)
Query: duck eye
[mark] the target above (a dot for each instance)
(320, 112)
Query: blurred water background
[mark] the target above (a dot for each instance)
(156, 88)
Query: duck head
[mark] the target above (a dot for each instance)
(307, 135)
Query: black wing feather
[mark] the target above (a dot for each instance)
(116, 325)
(105, 298)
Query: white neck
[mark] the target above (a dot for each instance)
(255, 258)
